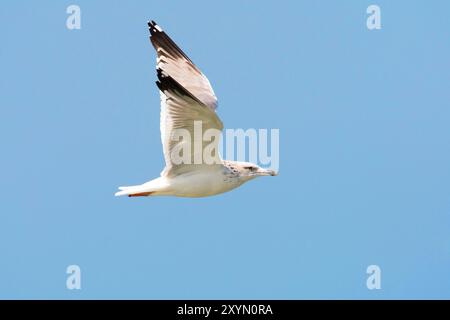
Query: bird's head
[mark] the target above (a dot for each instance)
(250, 170)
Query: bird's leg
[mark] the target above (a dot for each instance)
(140, 194)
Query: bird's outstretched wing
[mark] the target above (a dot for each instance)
(186, 98)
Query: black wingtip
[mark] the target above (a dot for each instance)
(153, 27)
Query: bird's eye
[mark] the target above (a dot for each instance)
(251, 168)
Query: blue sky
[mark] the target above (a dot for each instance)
(364, 151)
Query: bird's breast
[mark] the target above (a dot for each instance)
(203, 183)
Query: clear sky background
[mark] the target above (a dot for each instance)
(364, 151)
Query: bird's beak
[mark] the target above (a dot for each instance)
(266, 172)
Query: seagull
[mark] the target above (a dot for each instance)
(188, 98)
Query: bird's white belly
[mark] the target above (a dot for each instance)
(201, 184)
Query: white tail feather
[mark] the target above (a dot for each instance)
(153, 186)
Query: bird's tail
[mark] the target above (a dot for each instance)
(129, 191)
(153, 187)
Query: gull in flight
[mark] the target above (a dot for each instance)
(188, 101)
